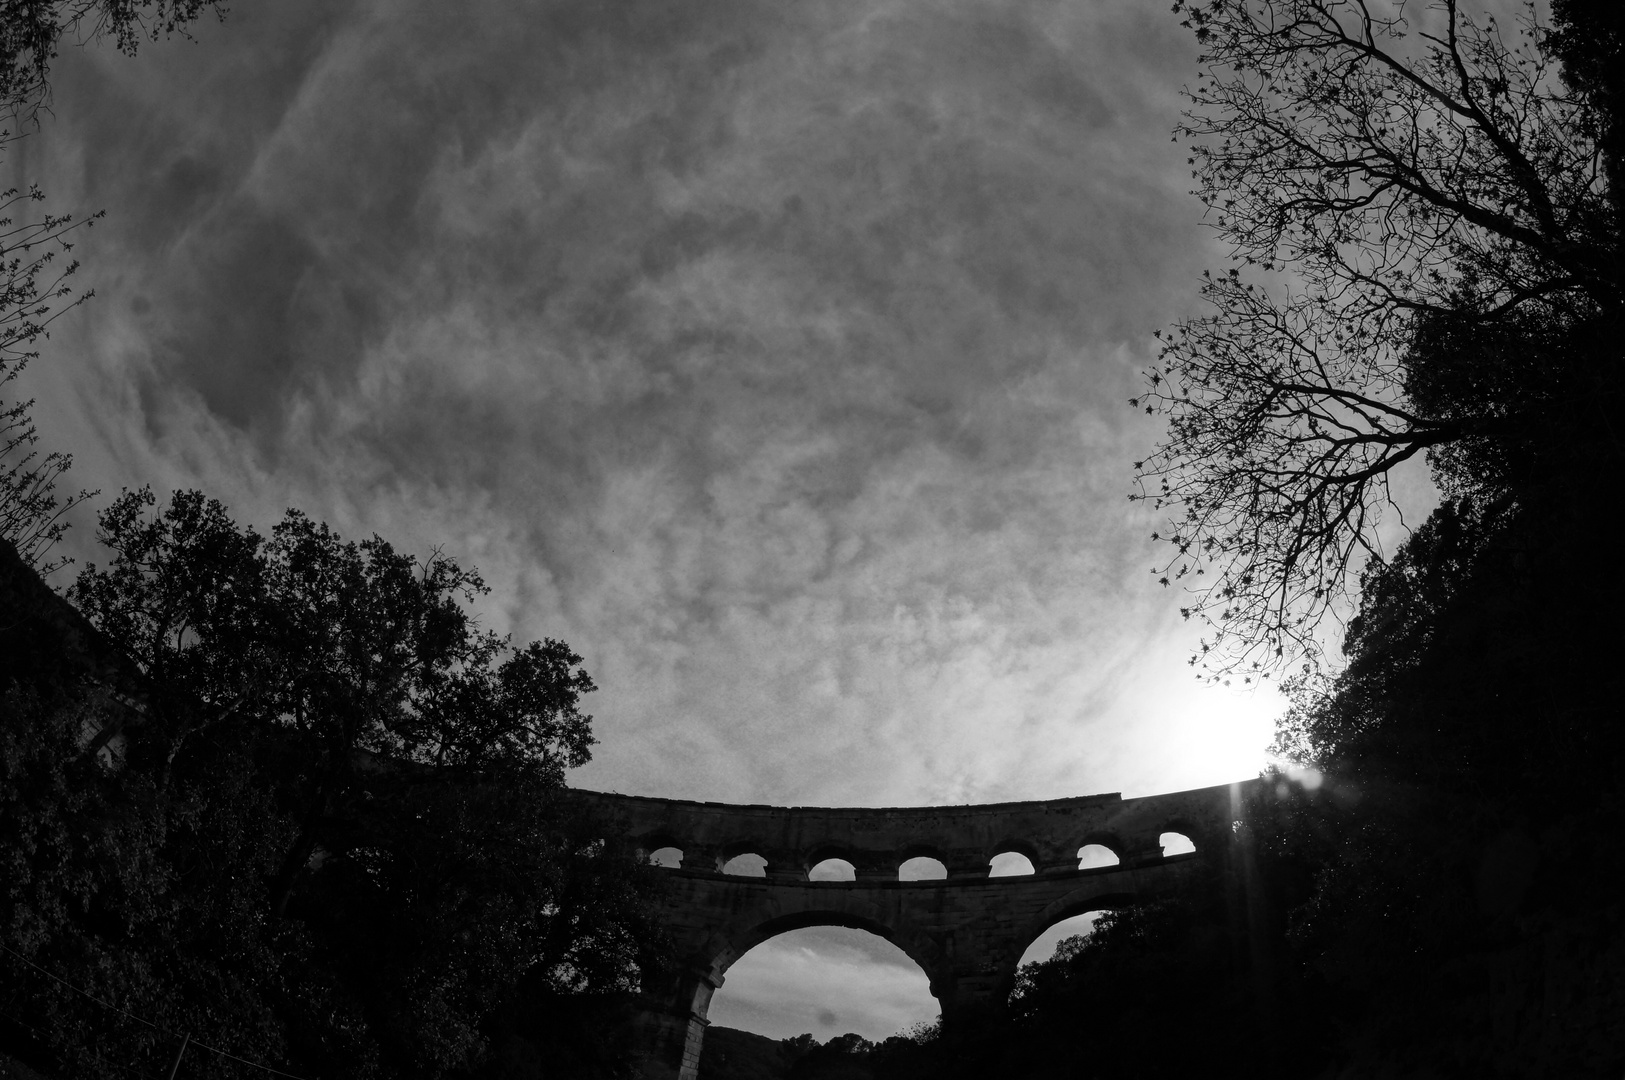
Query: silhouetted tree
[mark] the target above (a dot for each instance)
(31, 31)
(34, 292)
(33, 284)
(330, 825)
(1393, 184)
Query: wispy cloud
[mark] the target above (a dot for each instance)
(773, 356)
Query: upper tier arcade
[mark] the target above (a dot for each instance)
(876, 841)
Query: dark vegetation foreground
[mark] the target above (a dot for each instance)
(280, 798)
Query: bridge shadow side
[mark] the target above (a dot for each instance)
(968, 937)
(967, 932)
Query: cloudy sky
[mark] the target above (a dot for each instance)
(774, 355)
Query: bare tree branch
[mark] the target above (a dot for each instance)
(1368, 180)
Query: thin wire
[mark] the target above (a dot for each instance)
(76, 990)
(149, 1023)
(245, 1061)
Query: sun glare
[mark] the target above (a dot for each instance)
(1200, 735)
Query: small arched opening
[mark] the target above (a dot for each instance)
(1175, 843)
(746, 864)
(833, 870)
(922, 868)
(669, 856)
(1094, 856)
(1009, 864)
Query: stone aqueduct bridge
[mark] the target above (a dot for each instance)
(967, 931)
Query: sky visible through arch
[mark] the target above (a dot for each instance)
(774, 356)
(829, 980)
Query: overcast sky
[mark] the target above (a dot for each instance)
(775, 356)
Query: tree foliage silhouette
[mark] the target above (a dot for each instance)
(1426, 214)
(32, 30)
(1393, 185)
(320, 817)
(34, 292)
(34, 270)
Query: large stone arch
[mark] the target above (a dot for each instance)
(967, 932)
(915, 943)
(1078, 902)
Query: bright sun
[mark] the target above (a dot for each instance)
(1199, 735)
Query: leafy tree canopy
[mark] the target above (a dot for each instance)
(331, 828)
